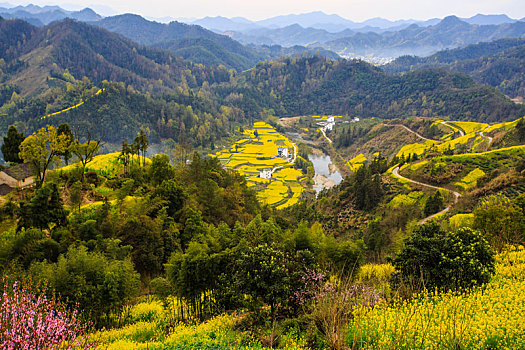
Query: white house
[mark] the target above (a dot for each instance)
(282, 152)
(330, 119)
(266, 173)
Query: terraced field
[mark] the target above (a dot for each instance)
(258, 151)
(471, 135)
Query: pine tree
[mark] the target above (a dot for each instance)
(11, 146)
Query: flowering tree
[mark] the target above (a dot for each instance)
(30, 320)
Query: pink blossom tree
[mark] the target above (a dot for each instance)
(30, 320)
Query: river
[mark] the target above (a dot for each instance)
(326, 174)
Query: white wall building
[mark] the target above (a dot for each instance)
(282, 152)
(266, 173)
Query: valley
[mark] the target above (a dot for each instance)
(228, 183)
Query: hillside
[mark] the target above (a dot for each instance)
(195, 43)
(498, 63)
(315, 85)
(38, 54)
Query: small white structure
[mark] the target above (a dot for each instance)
(356, 119)
(266, 173)
(282, 152)
(330, 119)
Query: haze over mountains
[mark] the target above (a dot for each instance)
(377, 39)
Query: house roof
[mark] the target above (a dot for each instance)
(20, 171)
(5, 189)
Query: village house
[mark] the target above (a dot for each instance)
(18, 176)
(266, 173)
(282, 152)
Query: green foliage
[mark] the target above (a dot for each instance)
(160, 169)
(44, 208)
(501, 220)
(433, 204)
(41, 148)
(520, 128)
(366, 186)
(433, 258)
(11, 145)
(97, 284)
(468, 259)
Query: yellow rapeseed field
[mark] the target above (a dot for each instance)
(489, 317)
(254, 153)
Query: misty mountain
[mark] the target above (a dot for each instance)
(451, 32)
(499, 63)
(222, 24)
(194, 42)
(44, 15)
(480, 19)
(289, 36)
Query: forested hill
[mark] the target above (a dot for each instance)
(498, 63)
(317, 85)
(197, 44)
(42, 67)
(37, 58)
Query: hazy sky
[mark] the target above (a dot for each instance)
(356, 10)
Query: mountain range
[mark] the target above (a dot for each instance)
(497, 63)
(44, 15)
(376, 39)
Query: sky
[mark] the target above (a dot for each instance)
(356, 10)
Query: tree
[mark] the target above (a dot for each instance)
(75, 195)
(91, 281)
(263, 274)
(44, 208)
(124, 156)
(85, 153)
(64, 129)
(42, 148)
(11, 145)
(434, 204)
(141, 143)
(31, 320)
(433, 258)
(520, 128)
(468, 259)
(173, 193)
(160, 169)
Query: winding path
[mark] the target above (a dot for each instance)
(395, 172)
(486, 137)
(454, 128)
(410, 130)
(324, 133)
